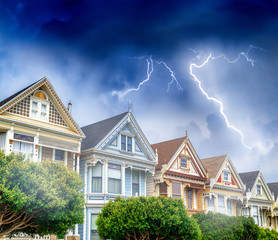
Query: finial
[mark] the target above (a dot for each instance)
(129, 105)
(186, 133)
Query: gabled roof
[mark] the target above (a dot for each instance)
(17, 97)
(273, 187)
(97, 131)
(213, 164)
(249, 178)
(166, 150)
(16, 94)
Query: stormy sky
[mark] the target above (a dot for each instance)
(95, 51)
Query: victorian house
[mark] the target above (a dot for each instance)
(224, 188)
(257, 198)
(272, 216)
(178, 174)
(35, 122)
(116, 160)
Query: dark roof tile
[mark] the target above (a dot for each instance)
(249, 178)
(97, 131)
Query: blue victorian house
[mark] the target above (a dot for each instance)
(116, 159)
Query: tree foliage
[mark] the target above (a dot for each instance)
(38, 198)
(146, 218)
(217, 226)
(267, 234)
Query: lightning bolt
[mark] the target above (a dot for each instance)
(150, 69)
(215, 100)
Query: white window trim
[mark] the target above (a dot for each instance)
(40, 102)
(132, 143)
(139, 183)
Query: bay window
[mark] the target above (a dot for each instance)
(210, 204)
(23, 148)
(189, 199)
(229, 206)
(255, 214)
(114, 178)
(246, 212)
(59, 155)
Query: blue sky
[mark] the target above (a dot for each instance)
(92, 49)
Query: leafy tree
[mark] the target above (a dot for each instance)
(217, 226)
(267, 234)
(150, 218)
(38, 198)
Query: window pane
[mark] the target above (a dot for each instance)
(176, 189)
(96, 184)
(210, 203)
(34, 111)
(123, 142)
(93, 222)
(183, 162)
(129, 144)
(135, 177)
(43, 109)
(59, 155)
(97, 170)
(189, 199)
(114, 186)
(226, 177)
(114, 171)
(229, 206)
(135, 189)
(221, 204)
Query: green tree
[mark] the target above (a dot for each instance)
(267, 234)
(217, 226)
(146, 218)
(38, 198)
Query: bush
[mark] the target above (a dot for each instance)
(266, 234)
(146, 218)
(217, 226)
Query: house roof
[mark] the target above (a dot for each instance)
(213, 164)
(16, 94)
(97, 131)
(249, 178)
(166, 150)
(273, 188)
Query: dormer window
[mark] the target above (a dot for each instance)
(39, 106)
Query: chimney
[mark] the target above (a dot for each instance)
(69, 106)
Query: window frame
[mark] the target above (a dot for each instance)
(174, 195)
(39, 102)
(259, 187)
(222, 207)
(228, 176)
(101, 177)
(137, 184)
(186, 159)
(127, 144)
(115, 179)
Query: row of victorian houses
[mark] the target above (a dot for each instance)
(116, 158)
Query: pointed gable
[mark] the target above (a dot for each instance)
(17, 108)
(273, 187)
(223, 173)
(166, 150)
(249, 179)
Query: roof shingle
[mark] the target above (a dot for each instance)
(213, 164)
(249, 178)
(166, 150)
(273, 188)
(97, 131)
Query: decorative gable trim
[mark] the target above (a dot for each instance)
(27, 92)
(128, 119)
(238, 182)
(264, 186)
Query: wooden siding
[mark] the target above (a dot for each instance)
(47, 153)
(70, 160)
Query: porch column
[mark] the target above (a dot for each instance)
(77, 162)
(106, 176)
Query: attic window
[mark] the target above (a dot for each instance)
(184, 162)
(227, 176)
(259, 190)
(39, 106)
(126, 143)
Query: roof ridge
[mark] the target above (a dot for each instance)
(105, 119)
(250, 172)
(168, 140)
(224, 155)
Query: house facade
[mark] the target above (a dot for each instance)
(178, 174)
(36, 123)
(257, 199)
(272, 215)
(116, 159)
(224, 188)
